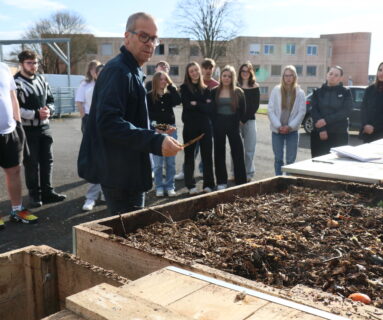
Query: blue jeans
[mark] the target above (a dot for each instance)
(170, 166)
(278, 142)
(122, 201)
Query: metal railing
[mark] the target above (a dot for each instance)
(64, 100)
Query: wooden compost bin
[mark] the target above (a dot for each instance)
(35, 281)
(101, 243)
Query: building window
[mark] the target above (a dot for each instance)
(173, 50)
(311, 71)
(150, 69)
(264, 90)
(194, 51)
(174, 71)
(312, 50)
(329, 52)
(276, 70)
(106, 49)
(299, 69)
(255, 49)
(290, 48)
(310, 89)
(160, 50)
(268, 49)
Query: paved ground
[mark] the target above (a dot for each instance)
(56, 220)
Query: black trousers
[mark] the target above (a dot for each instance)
(193, 129)
(38, 167)
(228, 126)
(321, 147)
(367, 138)
(122, 201)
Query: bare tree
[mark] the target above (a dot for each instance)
(62, 24)
(211, 22)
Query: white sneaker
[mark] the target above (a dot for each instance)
(159, 193)
(179, 176)
(193, 191)
(171, 193)
(88, 205)
(221, 186)
(207, 189)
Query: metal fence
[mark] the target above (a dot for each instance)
(64, 100)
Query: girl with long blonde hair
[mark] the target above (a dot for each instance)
(161, 100)
(286, 109)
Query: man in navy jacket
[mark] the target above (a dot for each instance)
(116, 146)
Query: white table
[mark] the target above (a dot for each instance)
(331, 166)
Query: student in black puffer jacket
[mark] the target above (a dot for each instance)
(331, 107)
(372, 110)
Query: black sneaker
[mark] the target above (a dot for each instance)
(53, 197)
(35, 201)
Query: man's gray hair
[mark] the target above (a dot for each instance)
(131, 23)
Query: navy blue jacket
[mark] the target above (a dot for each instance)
(117, 140)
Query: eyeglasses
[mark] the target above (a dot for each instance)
(145, 38)
(288, 75)
(244, 71)
(31, 63)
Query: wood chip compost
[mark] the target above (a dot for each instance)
(323, 239)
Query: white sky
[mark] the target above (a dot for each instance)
(278, 18)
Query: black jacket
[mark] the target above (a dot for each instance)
(117, 140)
(334, 104)
(241, 108)
(372, 108)
(200, 112)
(161, 111)
(252, 96)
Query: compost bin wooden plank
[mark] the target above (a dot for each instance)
(13, 289)
(214, 302)
(114, 255)
(63, 315)
(74, 275)
(105, 302)
(164, 287)
(44, 277)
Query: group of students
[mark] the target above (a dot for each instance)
(227, 108)
(212, 110)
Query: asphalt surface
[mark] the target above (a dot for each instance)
(56, 220)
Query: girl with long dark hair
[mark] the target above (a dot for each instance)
(372, 109)
(247, 82)
(229, 110)
(196, 115)
(161, 100)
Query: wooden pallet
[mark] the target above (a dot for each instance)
(177, 294)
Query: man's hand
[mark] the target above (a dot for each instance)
(44, 113)
(368, 129)
(193, 103)
(170, 147)
(320, 123)
(323, 135)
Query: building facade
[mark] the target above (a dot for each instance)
(312, 57)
